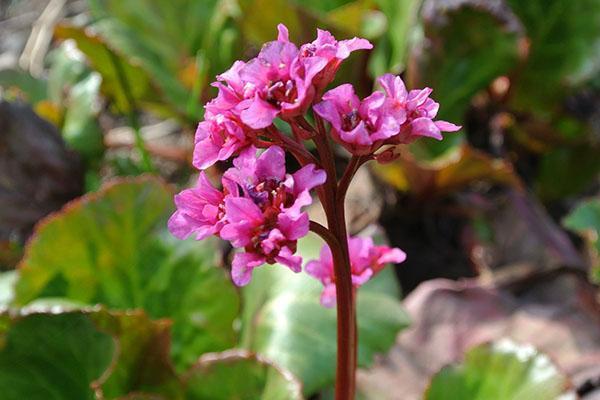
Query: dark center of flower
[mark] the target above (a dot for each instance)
(281, 92)
(308, 50)
(350, 120)
(270, 193)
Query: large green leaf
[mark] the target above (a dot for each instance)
(239, 374)
(283, 320)
(53, 353)
(111, 247)
(563, 35)
(180, 45)
(501, 371)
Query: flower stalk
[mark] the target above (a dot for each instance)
(259, 207)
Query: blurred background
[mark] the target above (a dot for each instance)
(500, 221)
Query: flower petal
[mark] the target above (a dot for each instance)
(242, 266)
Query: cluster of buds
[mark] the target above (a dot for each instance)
(259, 206)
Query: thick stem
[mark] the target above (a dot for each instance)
(346, 310)
(351, 168)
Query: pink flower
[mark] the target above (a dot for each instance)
(280, 83)
(200, 211)
(231, 90)
(360, 126)
(394, 116)
(283, 80)
(326, 46)
(366, 259)
(219, 137)
(266, 217)
(414, 110)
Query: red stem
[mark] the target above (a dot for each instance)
(346, 309)
(351, 168)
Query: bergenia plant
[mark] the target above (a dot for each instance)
(260, 206)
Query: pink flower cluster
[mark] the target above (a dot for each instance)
(281, 81)
(259, 210)
(394, 116)
(366, 259)
(259, 206)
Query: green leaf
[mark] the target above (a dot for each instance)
(239, 374)
(585, 220)
(469, 49)
(261, 17)
(111, 247)
(502, 371)
(283, 320)
(566, 171)
(460, 167)
(7, 287)
(80, 126)
(109, 65)
(55, 353)
(390, 52)
(179, 45)
(34, 90)
(563, 36)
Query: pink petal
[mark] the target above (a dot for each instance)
(391, 255)
(283, 35)
(359, 135)
(243, 210)
(425, 127)
(328, 296)
(345, 47)
(362, 278)
(260, 114)
(242, 266)
(287, 258)
(445, 126)
(272, 241)
(308, 177)
(293, 227)
(271, 164)
(328, 111)
(343, 97)
(394, 87)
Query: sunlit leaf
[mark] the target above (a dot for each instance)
(55, 353)
(390, 52)
(31, 89)
(239, 374)
(503, 370)
(111, 247)
(110, 65)
(457, 169)
(283, 320)
(165, 39)
(562, 37)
